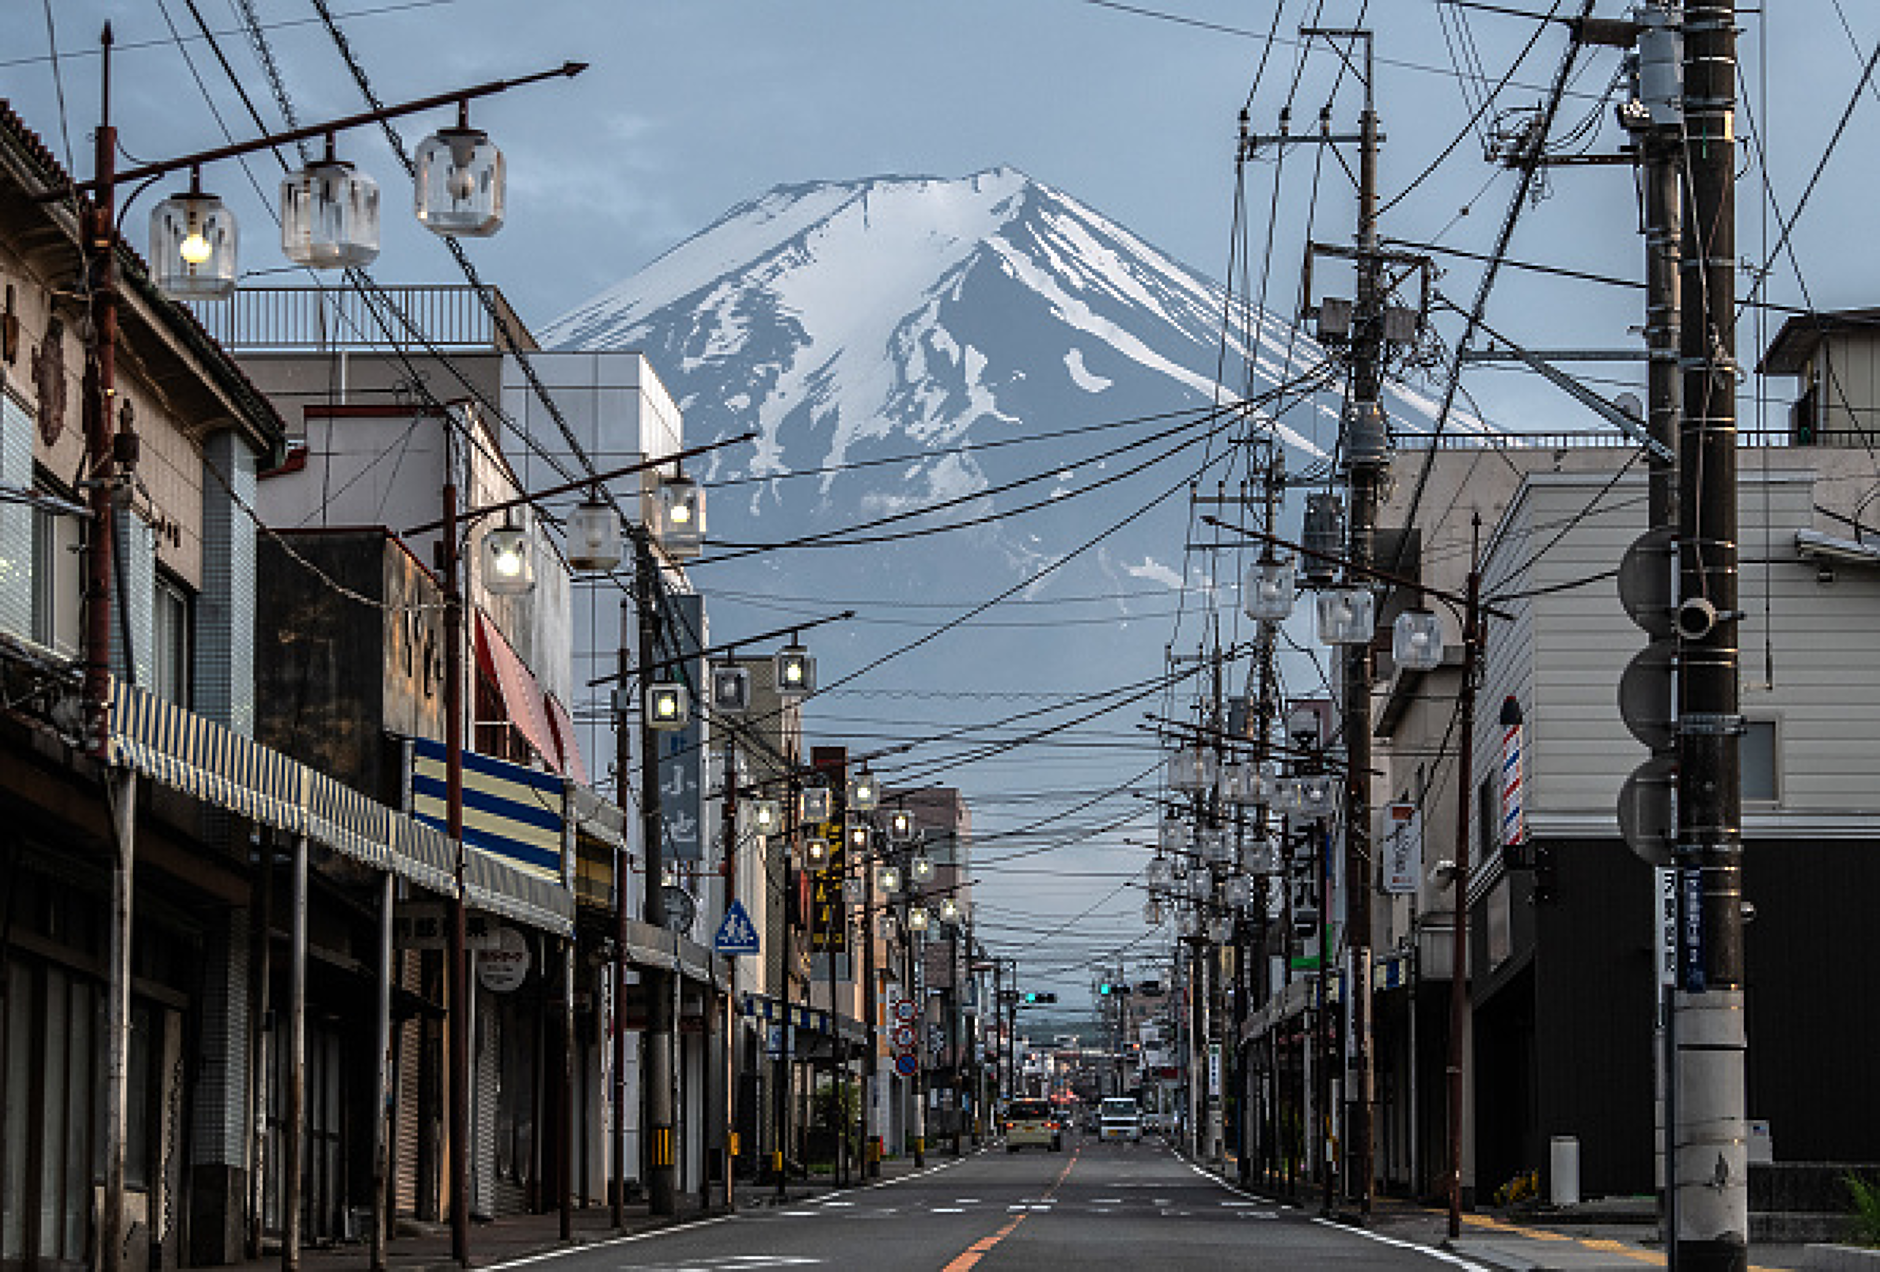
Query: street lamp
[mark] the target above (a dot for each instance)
(949, 910)
(457, 188)
(766, 816)
(678, 516)
(816, 803)
(1347, 616)
(795, 672)
(1416, 641)
(1191, 769)
(668, 706)
(1172, 838)
(889, 877)
(864, 794)
(922, 868)
(858, 838)
(901, 826)
(918, 918)
(1268, 593)
(330, 215)
(193, 245)
(509, 571)
(593, 536)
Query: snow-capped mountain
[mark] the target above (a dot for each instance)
(958, 346)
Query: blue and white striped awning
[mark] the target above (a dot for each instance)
(218, 766)
(806, 1019)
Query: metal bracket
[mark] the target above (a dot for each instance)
(1711, 724)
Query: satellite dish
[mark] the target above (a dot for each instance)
(1629, 404)
(1646, 581)
(1647, 810)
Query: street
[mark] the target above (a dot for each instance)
(1089, 1206)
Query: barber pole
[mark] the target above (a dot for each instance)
(1513, 813)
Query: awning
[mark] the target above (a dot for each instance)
(807, 1019)
(522, 696)
(571, 762)
(220, 767)
(650, 946)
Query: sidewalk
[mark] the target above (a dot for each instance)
(425, 1247)
(1596, 1241)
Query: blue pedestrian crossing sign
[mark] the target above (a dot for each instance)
(736, 935)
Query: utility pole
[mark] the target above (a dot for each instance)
(623, 864)
(1459, 937)
(729, 825)
(1711, 1182)
(656, 1066)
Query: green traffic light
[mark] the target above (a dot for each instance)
(1104, 988)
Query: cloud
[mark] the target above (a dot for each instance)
(1155, 572)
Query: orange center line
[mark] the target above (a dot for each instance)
(973, 1253)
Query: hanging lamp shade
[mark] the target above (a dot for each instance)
(593, 536)
(1152, 912)
(193, 246)
(864, 792)
(1173, 837)
(1157, 876)
(918, 919)
(1416, 641)
(1268, 593)
(900, 826)
(766, 816)
(888, 878)
(795, 670)
(949, 911)
(922, 869)
(816, 803)
(330, 216)
(678, 516)
(1347, 616)
(458, 185)
(507, 567)
(1191, 769)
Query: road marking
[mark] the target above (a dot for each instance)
(611, 1241)
(1441, 1256)
(1106, 1201)
(811, 1214)
(948, 1210)
(838, 1203)
(964, 1261)
(966, 1201)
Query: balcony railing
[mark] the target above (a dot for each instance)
(427, 316)
(1609, 439)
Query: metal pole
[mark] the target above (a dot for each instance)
(262, 1000)
(1368, 464)
(656, 1066)
(1712, 1158)
(565, 1107)
(121, 791)
(730, 830)
(101, 391)
(382, 1083)
(920, 1051)
(296, 1067)
(1327, 1117)
(871, 1076)
(623, 795)
(459, 1157)
(780, 1153)
(1459, 938)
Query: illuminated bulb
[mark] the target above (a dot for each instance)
(195, 249)
(681, 514)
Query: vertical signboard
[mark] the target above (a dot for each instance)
(676, 646)
(829, 928)
(1403, 847)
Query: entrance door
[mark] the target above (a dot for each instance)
(46, 1121)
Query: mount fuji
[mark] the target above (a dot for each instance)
(983, 353)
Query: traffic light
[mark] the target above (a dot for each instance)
(1104, 988)
(1033, 997)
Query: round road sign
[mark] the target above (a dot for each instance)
(904, 1009)
(907, 1066)
(904, 1036)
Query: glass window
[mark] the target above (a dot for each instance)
(171, 634)
(1757, 753)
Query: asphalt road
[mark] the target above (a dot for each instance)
(1090, 1206)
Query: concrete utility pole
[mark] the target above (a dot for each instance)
(1365, 443)
(623, 795)
(1711, 1182)
(656, 1067)
(1459, 936)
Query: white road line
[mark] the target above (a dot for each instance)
(1443, 1256)
(611, 1241)
(948, 1210)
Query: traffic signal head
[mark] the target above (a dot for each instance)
(1031, 996)
(1105, 987)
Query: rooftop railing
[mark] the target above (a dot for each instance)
(440, 316)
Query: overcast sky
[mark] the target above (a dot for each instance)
(692, 106)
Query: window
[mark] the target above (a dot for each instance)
(1757, 755)
(170, 642)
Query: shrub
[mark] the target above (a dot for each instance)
(1866, 1209)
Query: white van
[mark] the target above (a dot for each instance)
(1118, 1118)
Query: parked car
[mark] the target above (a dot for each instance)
(1154, 1122)
(1120, 1119)
(1031, 1122)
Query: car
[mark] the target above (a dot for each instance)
(1031, 1122)
(1120, 1119)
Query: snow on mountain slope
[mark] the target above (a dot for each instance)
(895, 342)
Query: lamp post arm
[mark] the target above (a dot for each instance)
(235, 149)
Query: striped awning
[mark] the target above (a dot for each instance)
(807, 1019)
(214, 764)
